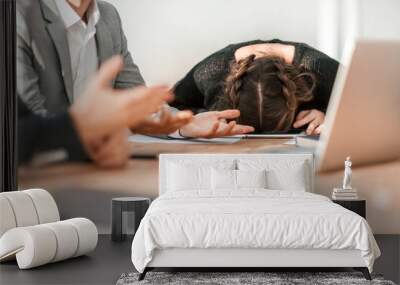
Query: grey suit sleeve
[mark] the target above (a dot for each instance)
(130, 75)
(27, 78)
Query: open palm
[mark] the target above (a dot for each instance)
(213, 124)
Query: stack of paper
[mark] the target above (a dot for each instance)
(170, 140)
(344, 194)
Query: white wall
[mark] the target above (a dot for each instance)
(367, 19)
(380, 19)
(167, 37)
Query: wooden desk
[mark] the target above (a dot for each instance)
(242, 146)
(139, 177)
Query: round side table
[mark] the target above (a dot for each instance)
(136, 205)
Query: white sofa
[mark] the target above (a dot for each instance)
(31, 231)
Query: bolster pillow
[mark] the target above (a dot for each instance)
(40, 244)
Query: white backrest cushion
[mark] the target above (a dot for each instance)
(231, 180)
(7, 218)
(186, 174)
(282, 174)
(288, 167)
(293, 179)
(26, 208)
(45, 205)
(251, 178)
(23, 208)
(223, 179)
(188, 177)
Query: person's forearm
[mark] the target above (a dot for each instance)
(286, 52)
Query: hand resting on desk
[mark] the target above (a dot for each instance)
(214, 124)
(314, 118)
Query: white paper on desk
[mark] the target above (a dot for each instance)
(147, 139)
(290, 142)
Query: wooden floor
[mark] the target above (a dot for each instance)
(106, 264)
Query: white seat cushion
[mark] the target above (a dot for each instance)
(87, 233)
(67, 237)
(37, 245)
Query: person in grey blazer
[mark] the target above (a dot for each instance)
(61, 44)
(44, 70)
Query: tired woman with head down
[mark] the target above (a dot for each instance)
(276, 85)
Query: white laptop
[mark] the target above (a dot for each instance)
(363, 117)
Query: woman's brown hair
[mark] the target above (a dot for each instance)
(267, 91)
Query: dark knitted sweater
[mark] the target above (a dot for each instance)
(200, 88)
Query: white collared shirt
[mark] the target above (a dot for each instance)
(81, 43)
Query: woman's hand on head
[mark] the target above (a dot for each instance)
(313, 118)
(284, 51)
(214, 124)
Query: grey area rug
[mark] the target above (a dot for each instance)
(244, 278)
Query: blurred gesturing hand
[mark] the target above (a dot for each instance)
(102, 114)
(314, 118)
(163, 123)
(113, 151)
(213, 124)
(102, 110)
